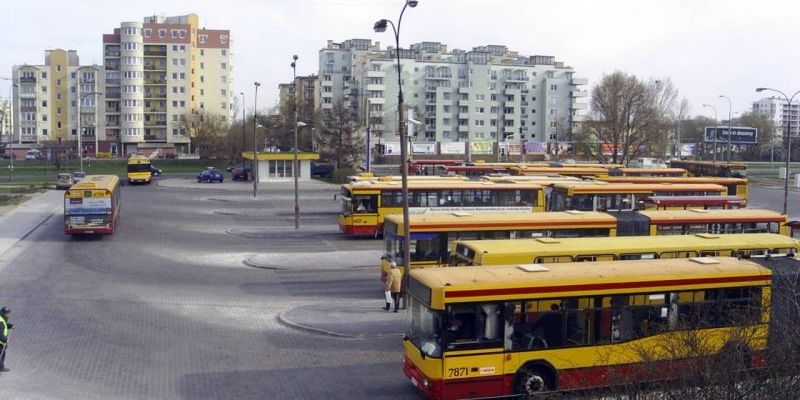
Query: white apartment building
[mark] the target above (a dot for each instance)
(54, 100)
(778, 111)
(483, 94)
(161, 74)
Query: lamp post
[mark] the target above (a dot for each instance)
(788, 143)
(255, 143)
(80, 130)
(715, 129)
(730, 122)
(244, 118)
(295, 164)
(380, 26)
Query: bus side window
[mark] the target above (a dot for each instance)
(709, 254)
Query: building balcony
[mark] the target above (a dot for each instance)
(111, 66)
(155, 82)
(155, 124)
(375, 74)
(579, 81)
(439, 77)
(510, 129)
(463, 128)
(430, 101)
(578, 118)
(112, 124)
(326, 83)
(155, 95)
(155, 67)
(521, 79)
(463, 103)
(31, 95)
(376, 88)
(155, 53)
(88, 109)
(578, 93)
(111, 110)
(577, 106)
(376, 127)
(27, 109)
(376, 100)
(327, 106)
(155, 110)
(112, 82)
(463, 115)
(327, 94)
(376, 114)
(27, 80)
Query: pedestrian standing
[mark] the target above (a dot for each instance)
(392, 290)
(4, 327)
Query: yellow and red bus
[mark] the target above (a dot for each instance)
(428, 167)
(432, 234)
(648, 172)
(368, 176)
(559, 250)
(603, 196)
(708, 168)
(480, 332)
(688, 222)
(92, 205)
(581, 172)
(366, 204)
(736, 186)
(139, 169)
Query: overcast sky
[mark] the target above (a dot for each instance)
(707, 48)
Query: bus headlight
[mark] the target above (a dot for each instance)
(425, 383)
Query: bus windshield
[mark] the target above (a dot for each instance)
(425, 323)
(138, 167)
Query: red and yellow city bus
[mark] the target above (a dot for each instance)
(581, 172)
(603, 196)
(687, 222)
(648, 172)
(432, 234)
(428, 167)
(708, 168)
(92, 205)
(480, 332)
(368, 176)
(736, 186)
(470, 170)
(366, 204)
(694, 202)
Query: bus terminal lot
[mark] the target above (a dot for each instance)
(204, 292)
(168, 308)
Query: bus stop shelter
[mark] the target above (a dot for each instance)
(278, 166)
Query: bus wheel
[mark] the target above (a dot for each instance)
(534, 379)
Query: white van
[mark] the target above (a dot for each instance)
(33, 154)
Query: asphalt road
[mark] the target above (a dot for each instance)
(166, 309)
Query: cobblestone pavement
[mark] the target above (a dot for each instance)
(166, 308)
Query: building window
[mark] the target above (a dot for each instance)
(148, 32)
(44, 75)
(203, 38)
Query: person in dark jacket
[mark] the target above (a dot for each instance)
(4, 327)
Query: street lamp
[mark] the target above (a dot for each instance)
(255, 144)
(80, 130)
(297, 125)
(296, 170)
(380, 26)
(730, 130)
(788, 143)
(715, 129)
(243, 134)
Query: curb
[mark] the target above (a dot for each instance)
(248, 262)
(281, 318)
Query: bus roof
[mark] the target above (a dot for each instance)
(359, 178)
(673, 179)
(696, 216)
(626, 244)
(471, 284)
(138, 159)
(605, 187)
(97, 182)
(696, 200)
(468, 221)
(650, 170)
(562, 170)
(709, 163)
(454, 184)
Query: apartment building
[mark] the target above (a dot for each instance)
(307, 99)
(777, 110)
(161, 76)
(55, 100)
(483, 94)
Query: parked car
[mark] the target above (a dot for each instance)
(76, 176)
(63, 181)
(155, 171)
(210, 175)
(33, 154)
(322, 169)
(241, 173)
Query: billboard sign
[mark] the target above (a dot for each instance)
(453, 147)
(740, 134)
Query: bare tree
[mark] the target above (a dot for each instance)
(628, 114)
(209, 133)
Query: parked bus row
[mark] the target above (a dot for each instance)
(486, 332)
(365, 204)
(433, 235)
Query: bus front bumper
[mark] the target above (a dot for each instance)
(100, 230)
(430, 388)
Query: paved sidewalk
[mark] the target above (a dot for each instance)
(352, 319)
(239, 186)
(16, 224)
(299, 261)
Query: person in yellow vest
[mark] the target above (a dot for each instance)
(4, 327)
(393, 281)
